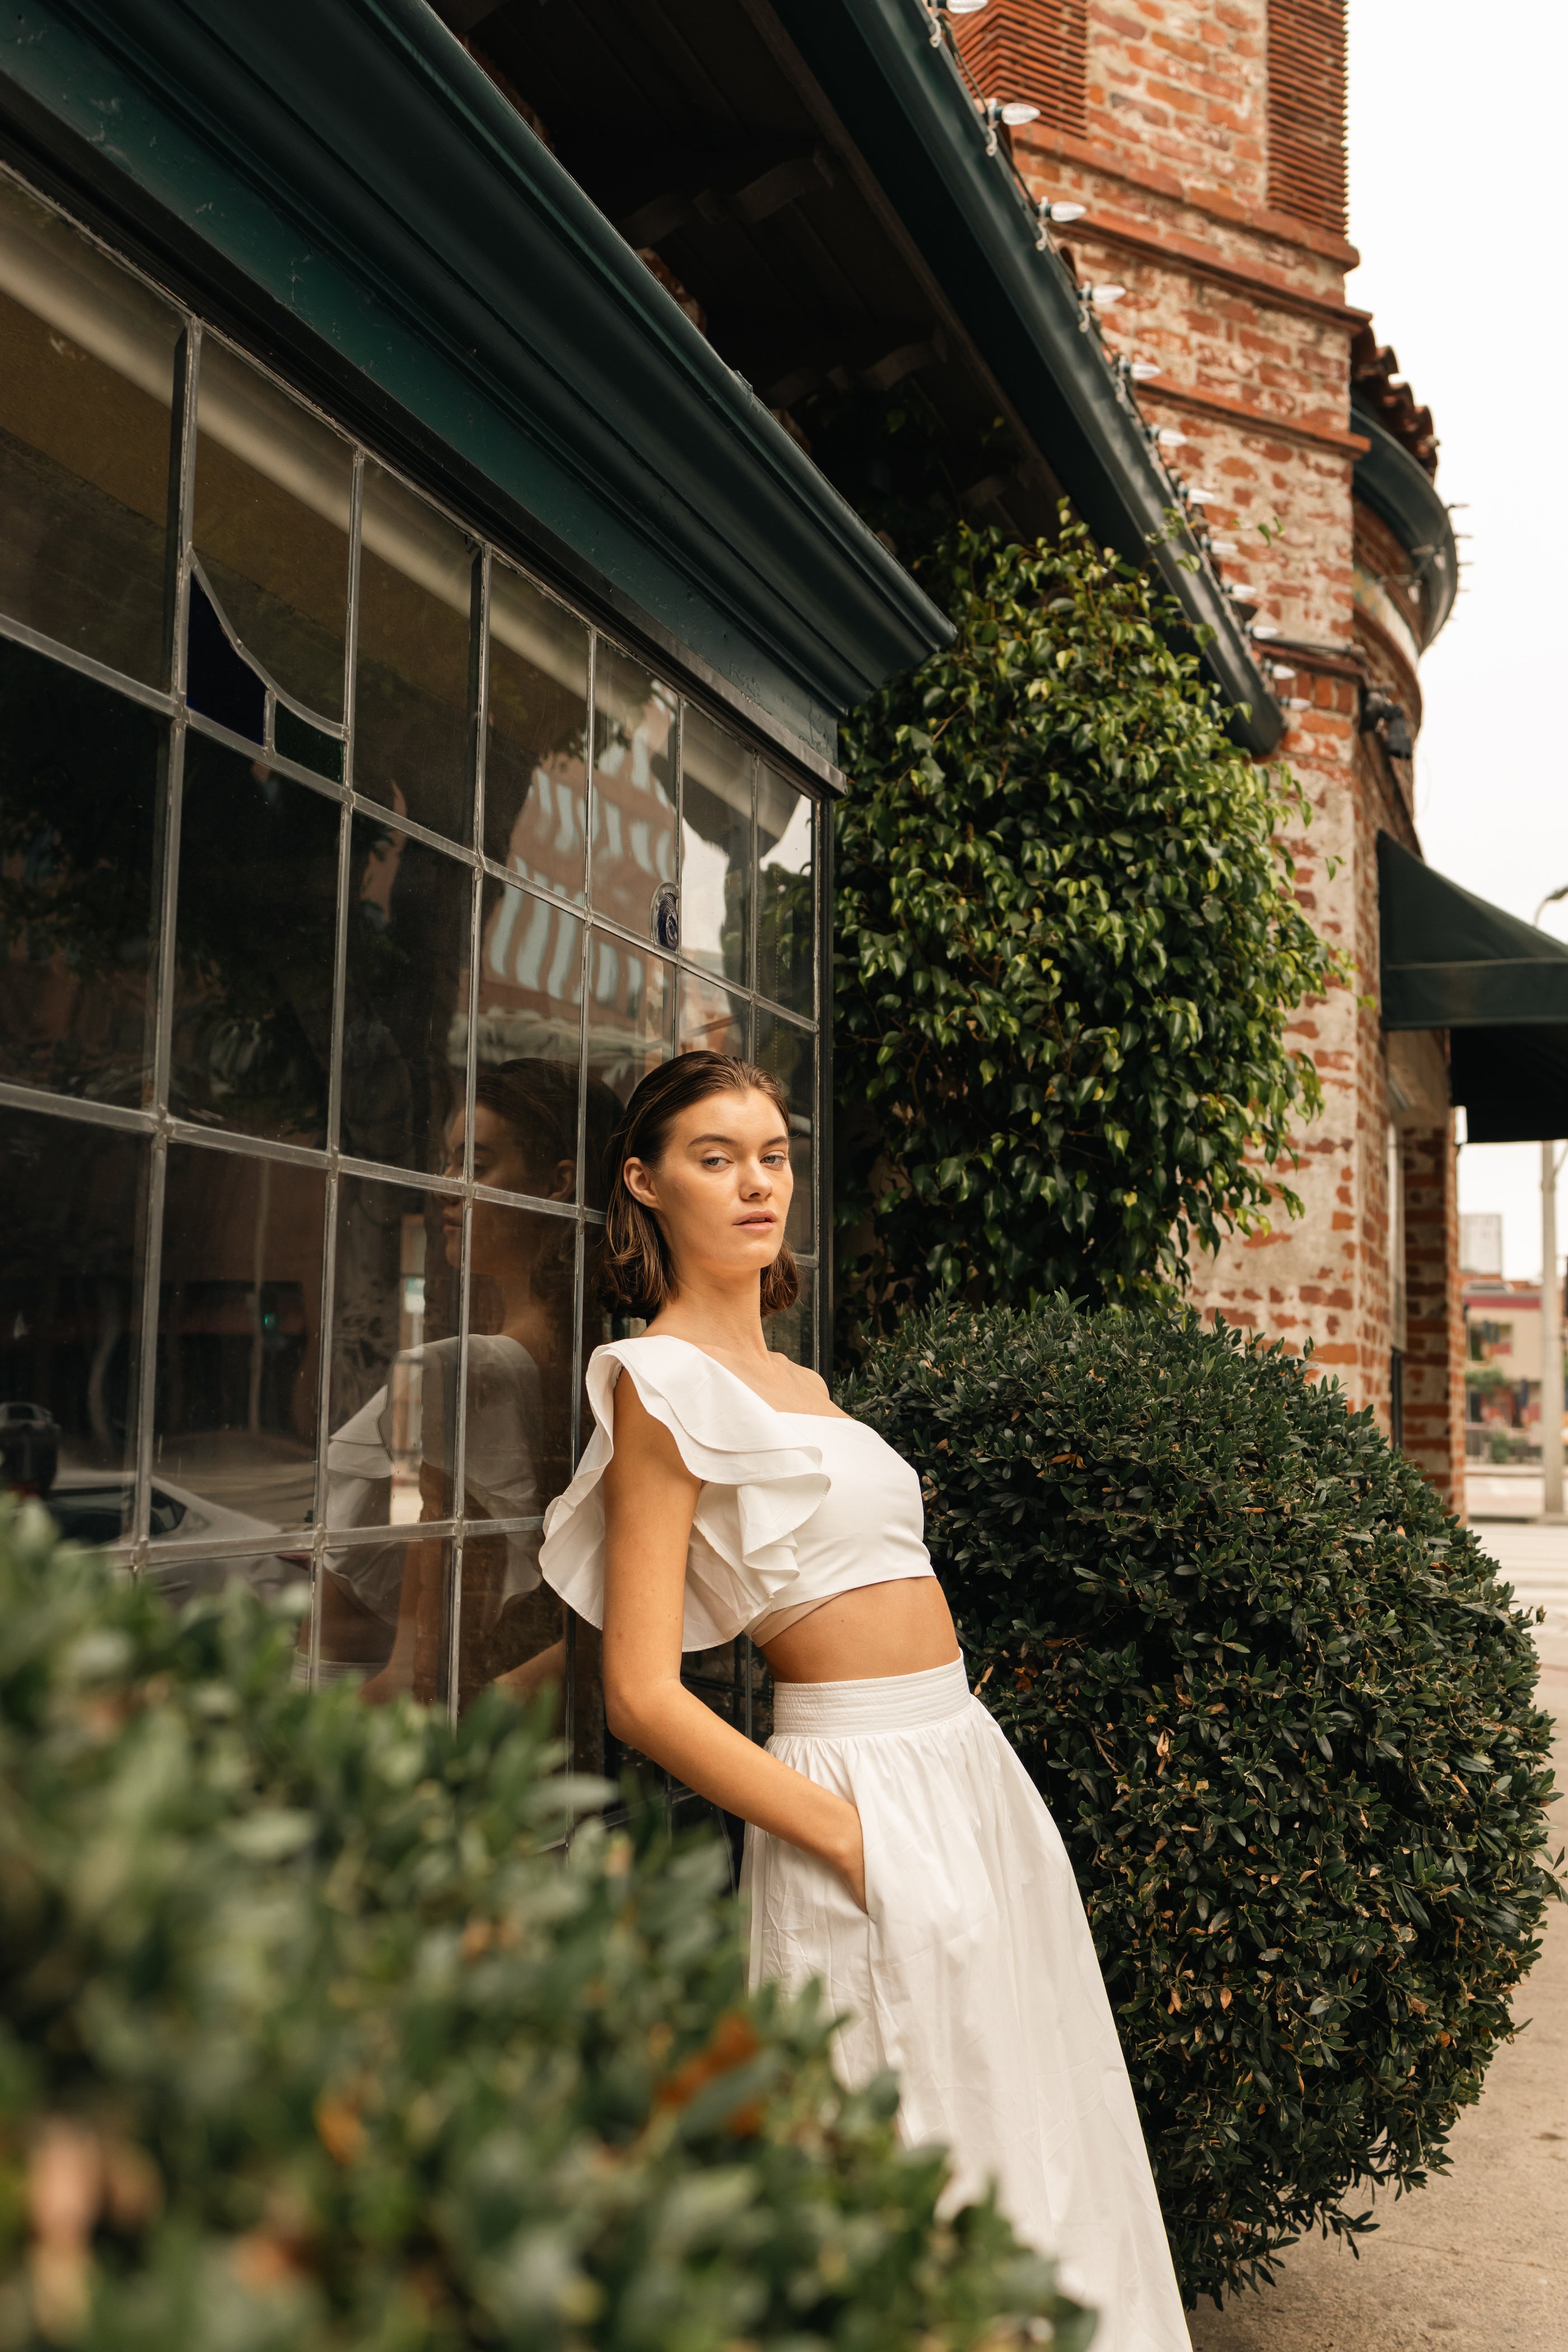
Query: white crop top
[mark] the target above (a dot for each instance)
(795, 1509)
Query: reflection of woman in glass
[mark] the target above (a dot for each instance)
(896, 1850)
(518, 1423)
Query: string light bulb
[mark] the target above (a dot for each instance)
(1169, 439)
(1224, 547)
(1103, 297)
(1143, 371)
(1203, 497)
(967, 7)
(1017, 111)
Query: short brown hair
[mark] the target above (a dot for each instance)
(639, 1277)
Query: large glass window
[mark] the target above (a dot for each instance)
(349, 882)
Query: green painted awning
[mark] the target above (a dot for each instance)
(1450, 961)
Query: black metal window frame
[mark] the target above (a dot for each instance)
(140, 1550)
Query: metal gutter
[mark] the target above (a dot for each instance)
(904, 101)
(349, 184)
(1402, 494)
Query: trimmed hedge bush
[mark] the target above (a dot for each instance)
(1284, 1717)
(306, 2041)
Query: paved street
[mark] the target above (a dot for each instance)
(1534, 1558)
(1480, 2257)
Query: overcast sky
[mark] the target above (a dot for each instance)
(1456, 205)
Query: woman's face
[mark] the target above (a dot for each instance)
(722, 1187)
(501, 1237)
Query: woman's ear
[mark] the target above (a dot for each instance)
(638, 1181)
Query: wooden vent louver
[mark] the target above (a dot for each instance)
(1031, 50)
(1307, 111)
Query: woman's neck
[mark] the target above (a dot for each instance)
(712, 1316)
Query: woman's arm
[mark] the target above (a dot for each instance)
(649, 1499)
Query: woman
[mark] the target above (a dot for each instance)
(895, 1847)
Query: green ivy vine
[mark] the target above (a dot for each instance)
(1067, 950)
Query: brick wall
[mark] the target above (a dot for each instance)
(1434, 1352)
(1243, 308)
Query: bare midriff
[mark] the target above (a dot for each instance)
(903, 1628)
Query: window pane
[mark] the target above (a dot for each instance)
(536, 772)
(238, 1336)
(531, 978)
(785, 895)
(631, 1009)
(790, 1053)
(86, 364)
(81, 783)
(793, 1331)
(405, 1012)
(634, 799)
(387, 1619)
(271, 526)
(255, 932)
(517, 1433)
(713, 1019)
(715, 847)
(525, 1129)
(391, 1426)
(72, 1216)
(413, 671)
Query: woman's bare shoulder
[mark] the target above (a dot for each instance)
(809, 1391)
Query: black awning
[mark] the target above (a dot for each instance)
(1499, 986)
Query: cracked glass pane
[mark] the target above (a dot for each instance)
(715, 848)
(239, 1309)
(255, 938)
(87, 367)
(634, 791)
(73, 1208)
(77, 880)
(414, 670)
(536, 775)
(219, 682)
(271, 527)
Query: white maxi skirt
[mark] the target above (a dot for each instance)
(973, 1975)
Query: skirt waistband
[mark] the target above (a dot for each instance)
(884, 1703)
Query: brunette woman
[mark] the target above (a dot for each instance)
(896, 1848)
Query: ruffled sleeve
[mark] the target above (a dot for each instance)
(758, 1488)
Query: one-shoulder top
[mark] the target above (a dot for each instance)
(795, 1508)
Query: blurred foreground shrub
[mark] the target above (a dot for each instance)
(1285, 1718)
(307, 2040)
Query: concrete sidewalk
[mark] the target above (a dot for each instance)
(1479, 2259)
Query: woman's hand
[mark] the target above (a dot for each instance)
(851, 1865)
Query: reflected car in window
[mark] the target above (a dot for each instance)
(29, 1447)
(91, 1508)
